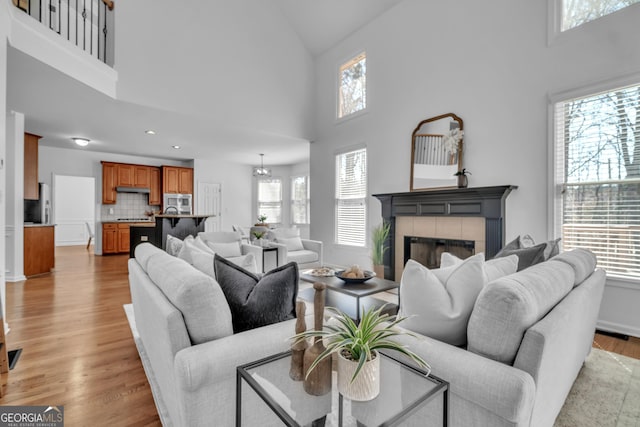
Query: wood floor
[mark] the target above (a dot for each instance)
(77, 346)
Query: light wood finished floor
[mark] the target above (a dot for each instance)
(77, 346)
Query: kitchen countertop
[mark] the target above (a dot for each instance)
(33, 224)
(132, 222)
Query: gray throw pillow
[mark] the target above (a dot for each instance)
(526, 256)
(257, 301)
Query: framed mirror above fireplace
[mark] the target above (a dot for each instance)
(436, 152)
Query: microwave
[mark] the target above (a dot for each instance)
(180, 204)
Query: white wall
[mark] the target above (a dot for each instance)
(236, 189)
(238, 63)
(14, 229)
(4, 33)
(493, 67)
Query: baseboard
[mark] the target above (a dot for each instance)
(15, 278)
(618, 328)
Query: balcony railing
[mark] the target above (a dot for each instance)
(86, 23)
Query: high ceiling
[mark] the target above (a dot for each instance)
(58, 107)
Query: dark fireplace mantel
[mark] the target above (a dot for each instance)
(487, 202)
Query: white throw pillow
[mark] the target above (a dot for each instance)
(190, 247)
(225, 250)
(439, 302)
(248, 262)
(292, 243)
(203, 261)
(201, 244)
(174, 245)
(494, 268)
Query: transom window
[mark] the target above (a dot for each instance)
(578, 12)
(597, 141)
(352, 90)
(351, 198)
(270, 199)
(300, 201)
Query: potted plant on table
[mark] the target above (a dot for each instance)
(261, 221)
(379, 239)
(357, 348)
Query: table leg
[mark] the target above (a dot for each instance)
(238, 399)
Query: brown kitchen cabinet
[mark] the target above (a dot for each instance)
(126, 175)
(39, 249)
(123, 238)
(109, 238)
(141, 176)
(109, 183)
(31, 188)
(177, 180)
(155, 187)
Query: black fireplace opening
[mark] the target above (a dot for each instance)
(428, 250)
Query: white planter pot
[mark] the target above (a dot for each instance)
(366, 386)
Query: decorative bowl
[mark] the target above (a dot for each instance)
(367, 275)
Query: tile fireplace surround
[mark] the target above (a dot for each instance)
(476, 214)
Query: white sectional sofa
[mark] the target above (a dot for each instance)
(528, 336)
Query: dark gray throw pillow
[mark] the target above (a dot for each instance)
(257, 301)
(526, 256)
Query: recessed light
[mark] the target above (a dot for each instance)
(177, 147)
(83, 142)
(150, 132)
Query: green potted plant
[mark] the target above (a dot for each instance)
(261, 220)
(463, 181)
(357, 348)
(379, 239)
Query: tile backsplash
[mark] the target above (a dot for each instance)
(128, 205)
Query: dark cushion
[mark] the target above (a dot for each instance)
(257, 301)
(526, 256)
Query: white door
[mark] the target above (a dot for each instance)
(209, 202)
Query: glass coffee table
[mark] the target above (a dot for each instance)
(351, 298)
(407, 397)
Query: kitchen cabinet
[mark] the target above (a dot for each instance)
(123, 238)
(109, 183)
(155, 187)
(39, 249)
(31, 188)
(109, 238)
(141, 176)
(126, 175)
(170, 180)
(177, 180)
(185, 181)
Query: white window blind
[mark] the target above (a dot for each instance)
(598, 175)
(578, 12)
(300, 201)
(352, 89)
(351, 198)
(270, 199)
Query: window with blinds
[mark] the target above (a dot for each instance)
(598, 175)
(300, 201)
(270, 199)
(352, 86)
(578, 12)
(351, 198)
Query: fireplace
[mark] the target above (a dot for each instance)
(467, 214)
(427, 250)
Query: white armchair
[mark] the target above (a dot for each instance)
(307, 253)
(218, 241)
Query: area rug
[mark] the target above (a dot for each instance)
(605, 394)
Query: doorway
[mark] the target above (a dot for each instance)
(74, 205)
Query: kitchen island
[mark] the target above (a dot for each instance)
(39, 248)
(179, 226)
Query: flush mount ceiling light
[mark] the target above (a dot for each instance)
(261, 171)
(82, 142)
(175, 147)
(150, 132)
